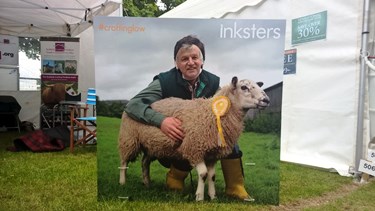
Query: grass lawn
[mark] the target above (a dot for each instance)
(261, 178)
(47, 181)
(65, 181)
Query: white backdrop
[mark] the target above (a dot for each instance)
(9, 78)
(319, 113)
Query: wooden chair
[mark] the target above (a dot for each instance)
(80, 121)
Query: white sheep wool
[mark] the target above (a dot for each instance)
(220, 106)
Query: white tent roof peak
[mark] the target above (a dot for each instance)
(191, 8)
(35, 18)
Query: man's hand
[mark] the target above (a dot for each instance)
(172, 127)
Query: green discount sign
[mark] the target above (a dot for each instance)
(309, 28)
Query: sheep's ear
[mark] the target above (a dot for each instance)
(234, 82)
(260, 84)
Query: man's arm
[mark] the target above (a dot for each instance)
(139, 107)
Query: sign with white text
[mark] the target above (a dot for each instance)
(309, 28)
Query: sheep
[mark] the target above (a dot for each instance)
(202, 145)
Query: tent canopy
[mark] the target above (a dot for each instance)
(218, 9)
(35, 18)
(53, 18)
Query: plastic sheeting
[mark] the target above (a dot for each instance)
(371, 75)
(320, 101)
(371, 87)
(319, 119)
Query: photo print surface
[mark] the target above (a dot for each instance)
(129, 52)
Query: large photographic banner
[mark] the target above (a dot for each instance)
(129, 52)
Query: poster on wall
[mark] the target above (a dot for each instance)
(290, 61)
(130, 52)
(59, 59)
(9, 50)
(59, 78)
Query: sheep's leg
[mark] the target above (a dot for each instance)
(211, 180)
(123, 168)
(146, 161)
(202, 175)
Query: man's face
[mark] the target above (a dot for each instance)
(189, 61)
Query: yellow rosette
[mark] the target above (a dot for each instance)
(220, 106)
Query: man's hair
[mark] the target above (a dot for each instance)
(189, 40)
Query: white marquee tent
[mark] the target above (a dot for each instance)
(46, 18)
(35, 18)
(321, 101)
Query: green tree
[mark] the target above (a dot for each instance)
(170, 4)
(112, 108)
(140, 8)
(31, 47)
(148, 8)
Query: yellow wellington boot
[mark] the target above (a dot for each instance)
(176, 178)
(234, 180)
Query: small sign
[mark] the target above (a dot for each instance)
(9, 50)
(371, 155)
(290, 60)
(367, 167)
(309, 28)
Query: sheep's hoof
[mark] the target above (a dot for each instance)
(199, 197)
(213, 198)
(249, 199)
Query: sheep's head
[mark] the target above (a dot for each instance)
(249, 94)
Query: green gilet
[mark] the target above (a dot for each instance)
(173, 85)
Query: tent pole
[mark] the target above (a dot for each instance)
(362, 85)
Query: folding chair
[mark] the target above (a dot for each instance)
(79, 121)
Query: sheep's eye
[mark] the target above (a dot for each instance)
(244, 88)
